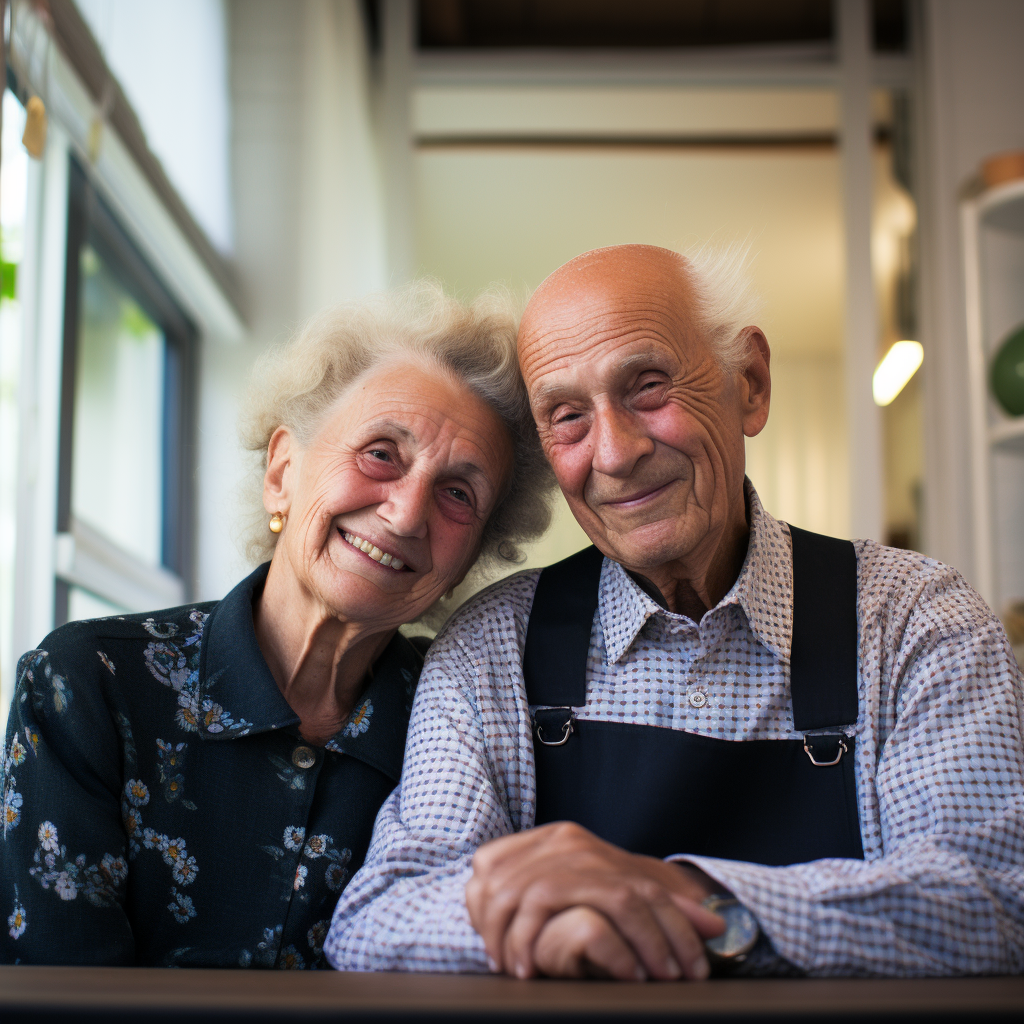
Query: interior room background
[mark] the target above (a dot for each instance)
(214, 171)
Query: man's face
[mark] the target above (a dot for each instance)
(642, 427)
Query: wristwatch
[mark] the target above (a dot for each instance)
(741, 931)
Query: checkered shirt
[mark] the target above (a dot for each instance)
(939, 766)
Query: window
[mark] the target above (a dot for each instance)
(13, 184)
(124, 496)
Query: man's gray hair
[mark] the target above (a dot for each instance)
(725, 298)
(297, 384)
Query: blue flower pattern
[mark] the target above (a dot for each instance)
(359, 721)
(14, 757)
(174, 661)
(17, 922)
(101, 884)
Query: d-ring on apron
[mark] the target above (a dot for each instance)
(660, 791)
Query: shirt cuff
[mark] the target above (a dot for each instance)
(778, 900)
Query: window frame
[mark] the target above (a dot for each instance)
(85, 558)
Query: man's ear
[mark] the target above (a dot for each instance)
(755, 382)
(278, 479)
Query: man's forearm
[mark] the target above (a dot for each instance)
(921, 911)
(412, 923)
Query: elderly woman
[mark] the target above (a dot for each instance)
(194, 787)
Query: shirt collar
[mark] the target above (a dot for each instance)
(375, 730)
(763, 589)
(235, 676)
(232, 670)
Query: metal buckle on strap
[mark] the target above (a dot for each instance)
(809, 748)
(567, 729)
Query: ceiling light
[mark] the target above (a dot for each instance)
(893, 372)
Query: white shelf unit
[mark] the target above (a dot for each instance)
(993, 241)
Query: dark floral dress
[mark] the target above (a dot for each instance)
(160, 806)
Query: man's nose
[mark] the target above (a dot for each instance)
(619, 442)
(407, 507)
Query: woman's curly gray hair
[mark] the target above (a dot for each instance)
(297, 384)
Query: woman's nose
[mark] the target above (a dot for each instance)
(407, 506)
(619, 442)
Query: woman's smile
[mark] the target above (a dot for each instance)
(367, 547)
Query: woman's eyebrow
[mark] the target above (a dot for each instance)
(467, 469)
(392, 427)
(464, 468)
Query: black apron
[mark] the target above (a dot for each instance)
(661, 791)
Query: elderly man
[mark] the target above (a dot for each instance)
(709, 710)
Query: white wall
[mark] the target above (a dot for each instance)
(309, 223)
(341, 216)
(512, 213)
(973, 99)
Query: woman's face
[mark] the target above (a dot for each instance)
(386, 506)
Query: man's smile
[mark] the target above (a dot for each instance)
(638, 498)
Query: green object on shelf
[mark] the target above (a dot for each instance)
(1008, 373)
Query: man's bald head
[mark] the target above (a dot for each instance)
(615, 264)
(630, 276)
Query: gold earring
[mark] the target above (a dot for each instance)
(276, 522)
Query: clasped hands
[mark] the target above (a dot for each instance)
(557, 900)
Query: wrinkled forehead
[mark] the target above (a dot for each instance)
(582, 316)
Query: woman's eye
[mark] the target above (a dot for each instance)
(380, 454)
(458, 494)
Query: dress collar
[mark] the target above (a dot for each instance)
(763, 589)
(234, 674)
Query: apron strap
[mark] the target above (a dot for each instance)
(823, 657)
(558, 636)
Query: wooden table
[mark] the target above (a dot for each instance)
(42, 994)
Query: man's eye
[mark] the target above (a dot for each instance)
(380, 454)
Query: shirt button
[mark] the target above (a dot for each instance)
(698, 699)
(303, 757)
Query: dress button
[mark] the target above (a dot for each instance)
(698, 699)
(303, 757)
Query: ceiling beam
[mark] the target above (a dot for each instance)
(795, 65)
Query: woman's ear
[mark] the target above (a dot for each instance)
(756, 382)
(277, 481)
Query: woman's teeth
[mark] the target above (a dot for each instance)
(373, 551)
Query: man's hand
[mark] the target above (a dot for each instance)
(617, 903)
(581, 943)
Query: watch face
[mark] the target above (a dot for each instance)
(741, 929)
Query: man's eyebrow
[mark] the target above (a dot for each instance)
(544, 393)
(637, 358)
